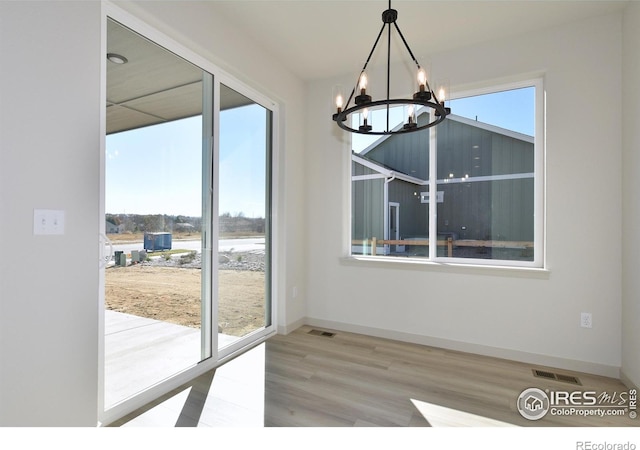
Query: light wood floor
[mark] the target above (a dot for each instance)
(305, 380)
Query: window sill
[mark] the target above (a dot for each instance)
(445, 267)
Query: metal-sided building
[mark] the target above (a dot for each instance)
(485, 184)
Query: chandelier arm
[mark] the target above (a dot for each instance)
(375, 44)
(346, 105)
(364, 67)
(406, 45)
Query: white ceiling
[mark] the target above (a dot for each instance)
(316, 39)
(321, 38)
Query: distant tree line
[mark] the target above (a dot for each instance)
(137, 223)
(241, 224)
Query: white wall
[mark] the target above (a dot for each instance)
(631, 188)
(529, 317)
(49, 158)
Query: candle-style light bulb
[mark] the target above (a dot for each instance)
(442, 95)
(365, 124)
(423, 94)
(422, 79)
(363, 83)
(411, 123)
(363, 98)
(339, 102)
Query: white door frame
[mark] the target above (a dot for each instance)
(108, 415)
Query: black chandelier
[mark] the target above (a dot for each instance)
(423, 97)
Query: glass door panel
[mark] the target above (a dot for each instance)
(244, 255)
(156, 284)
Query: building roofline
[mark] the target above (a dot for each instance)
(460, 119)
(493, 128)
(386, 171)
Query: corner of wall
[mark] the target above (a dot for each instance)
(293, 326)
(630, 235)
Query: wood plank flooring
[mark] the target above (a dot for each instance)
(351, 380)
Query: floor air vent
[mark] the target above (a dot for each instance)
(543, 374)
(321, 333)
(556, 376)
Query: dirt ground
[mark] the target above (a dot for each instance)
(173, 295)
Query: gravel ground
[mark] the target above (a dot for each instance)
(251, 261)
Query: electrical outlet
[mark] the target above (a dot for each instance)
(585, 320)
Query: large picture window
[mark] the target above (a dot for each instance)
(468, 190)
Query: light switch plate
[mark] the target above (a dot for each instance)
(48, 222)
(586, 320)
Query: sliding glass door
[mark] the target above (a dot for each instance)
(155, 286)
(243, 287)
(187, 210)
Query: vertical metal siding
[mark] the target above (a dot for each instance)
(499, 209)
(367, 198)
(407, 153)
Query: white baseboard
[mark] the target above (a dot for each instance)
(288, 328)
(513, 355)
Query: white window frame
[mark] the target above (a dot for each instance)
(539, 260)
